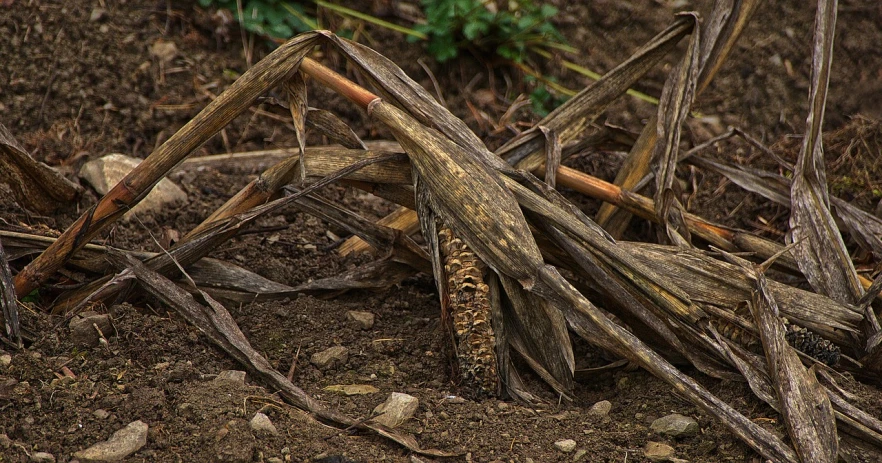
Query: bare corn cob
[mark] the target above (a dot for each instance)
(800, 338)
(468, 308)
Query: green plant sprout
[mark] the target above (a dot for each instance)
(275, 19)
(452, 25)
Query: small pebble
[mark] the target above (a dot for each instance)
(97, 14)
(397, 409)
(328, 358)
(262, 424)
(600, 409)
(42, 457)
(675, 425)
(657, 451)
(566, 445)
(361, 320)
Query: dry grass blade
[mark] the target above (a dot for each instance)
(195, 246)
(269, 72)
(820, 250)
(804, 403)
(8, 302)
(35, 185)
(673, 108)
(218, 325)
(388, 241)
(722, 29)
(864, 228)
(295, 87)
(403, 219)
(710, 280)
(570, 119)
(330, 125)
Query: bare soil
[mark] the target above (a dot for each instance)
(77, 83)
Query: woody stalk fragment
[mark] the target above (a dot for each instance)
(471, 203)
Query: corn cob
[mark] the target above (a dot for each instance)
(468, 309)
(800, 338)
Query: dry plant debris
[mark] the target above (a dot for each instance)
(508, 251)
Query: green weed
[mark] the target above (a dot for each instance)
(271, 18)
(453, 25)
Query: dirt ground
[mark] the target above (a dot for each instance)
(79, 82)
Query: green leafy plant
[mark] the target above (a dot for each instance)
(543, 100)
(271, 18)
(508, 31)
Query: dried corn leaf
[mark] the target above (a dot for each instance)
(722, 29)
(196, 246)
(711, 281)
(864, 228)
(231, 282)
(334, 128)
(295, 87)
(460, 188)
(820, 251)
(387, 240)
(264, 75)
(577, 306)
(535, 326)
(673, 108)
(378, 274)
(256, 161)
(401, 91)
(8, 302)
(34, 184)
(570, 119)
(807, 411)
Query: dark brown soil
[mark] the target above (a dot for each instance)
(74, 88)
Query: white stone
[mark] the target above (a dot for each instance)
(121, 444)
(565, 445)
(262, 424)
(104, 173)
(333, 356)
(231, 376)
(675, 425)
(657, 451)
(362, 320)
(600, 409)
(42, 457)
(397, 409)
(164, 51)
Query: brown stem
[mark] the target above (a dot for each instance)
(356, 93)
